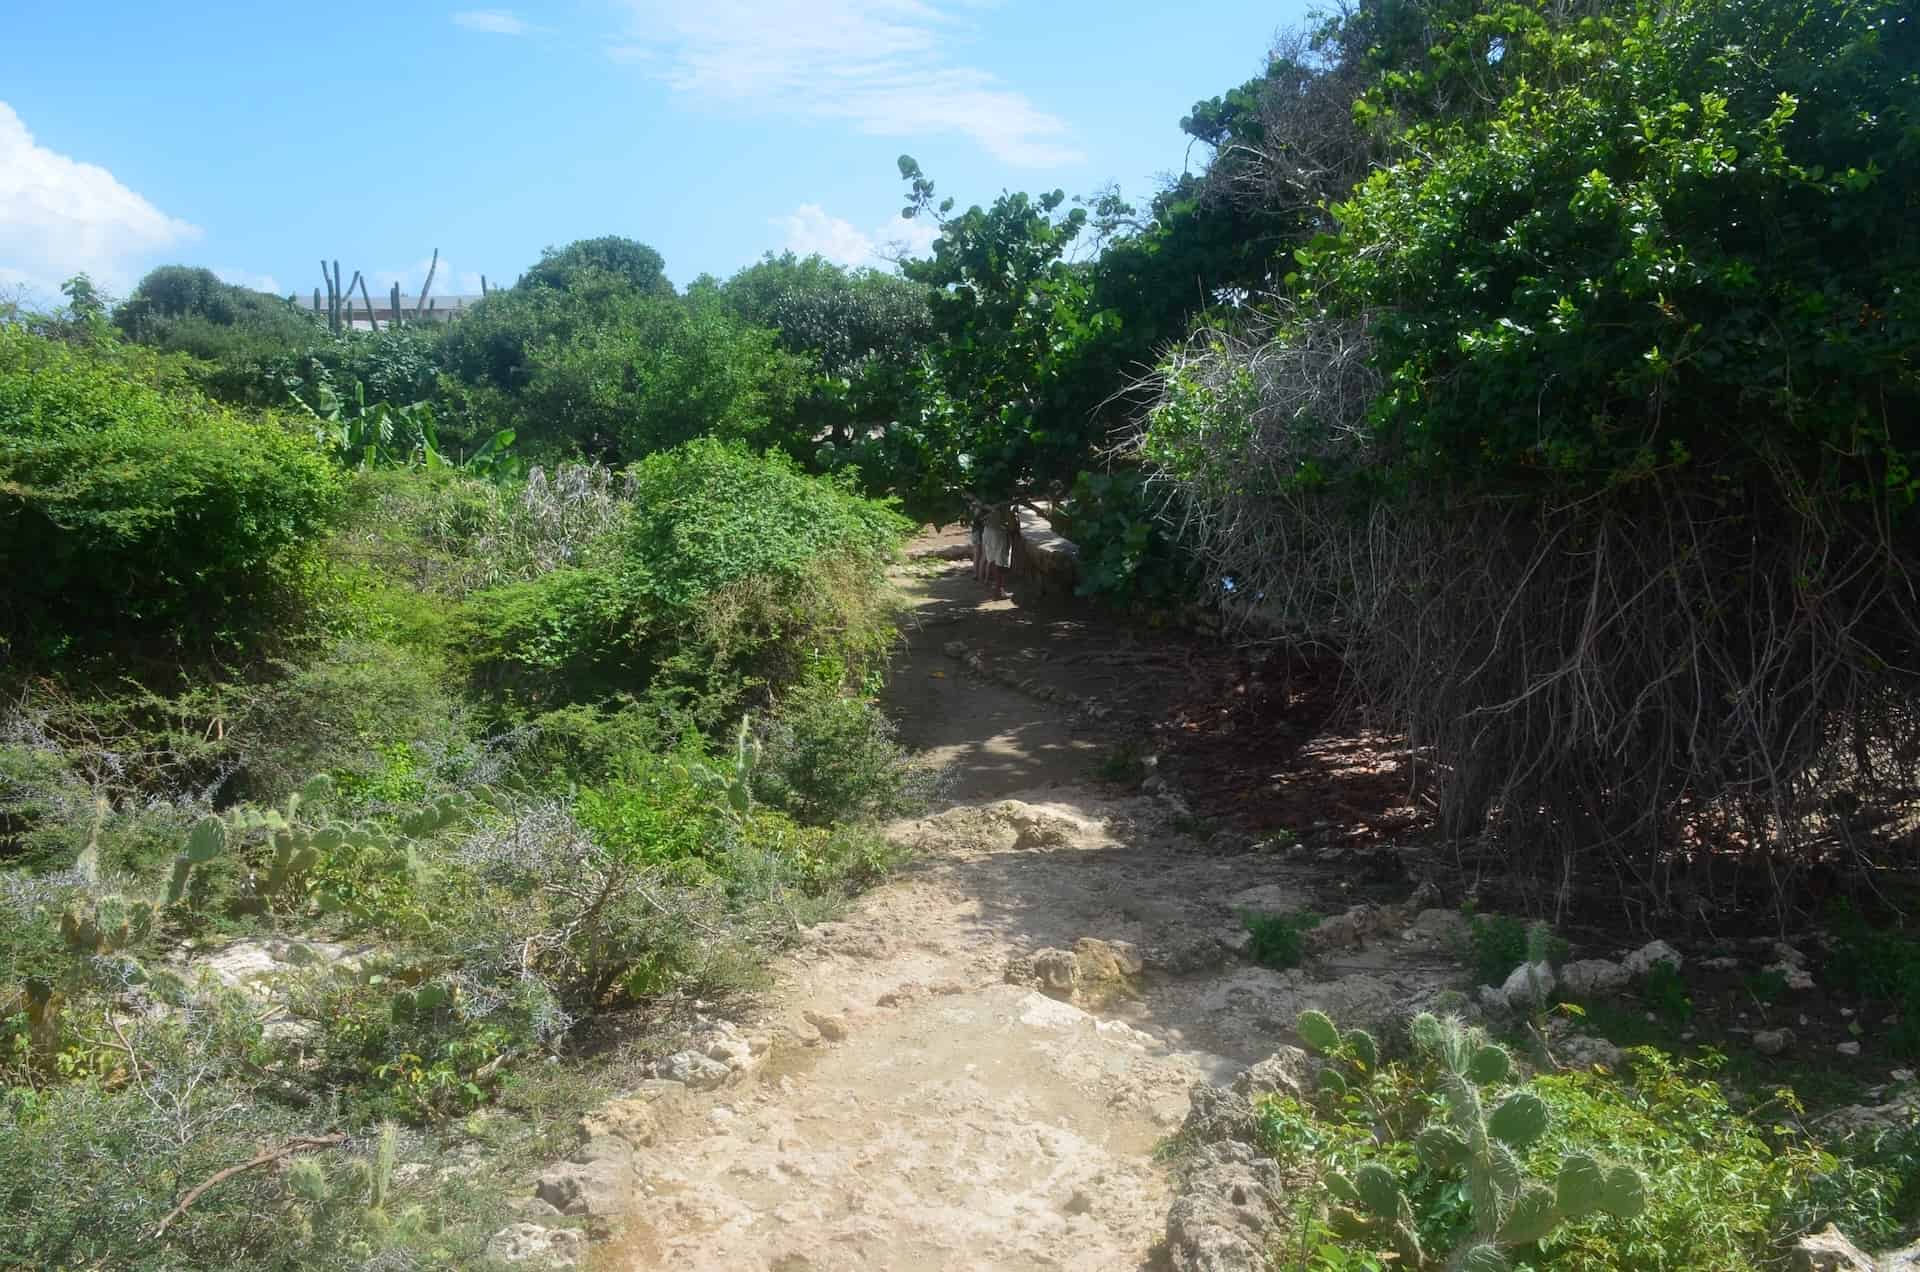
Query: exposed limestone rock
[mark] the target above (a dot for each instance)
(631, 1120)
(258, 962)
(1217, 1113)
(1579, 1051)
(1529, 985)
(1589, 977)
(601, 1186)
(544, 1247)
(1092, 973)
(1641, 961)
(698, 1072)
(1903, 1260)
(1797, 977)
(1268, 898)
(1224, 1217)
(1901, 1111)
(1426, 896)
(1447, 927)
(1288, 1071)
(1828, 1251)
(1194, 952)
(832, 1028)
(1773, 1042)
(1344, 931)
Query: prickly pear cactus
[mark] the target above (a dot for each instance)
(298, 841)
(1376, 1211)
(1510, 1210)
(105, 925)
(205, 842)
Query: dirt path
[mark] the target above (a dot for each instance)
(924, 1105)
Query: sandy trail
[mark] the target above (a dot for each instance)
(924, 1106)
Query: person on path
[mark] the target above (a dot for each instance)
(979, 535)
(997, 547)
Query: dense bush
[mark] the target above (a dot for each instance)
(347, 712)
(827, 755)
(1580, 433)
(858, 333)
(124, 506)
(730, 576)
(611, 371)
(1128, 541)
(176, 300)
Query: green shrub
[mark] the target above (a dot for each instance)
(207, 1099)
(1664, 991)
(1123, 765)
(654, 813)
(613, 371)
(585, 744)
(1480, 1142)
(1498, 943)
(128, 509)
(731, 577)
(1128, 552)
(1724, 1190)
(344, 713)
(828, 756)
(1883, 964)
(1278, 939)
(41, 805)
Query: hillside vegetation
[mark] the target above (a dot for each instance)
(506, 687)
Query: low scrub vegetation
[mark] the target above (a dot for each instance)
(1450, 1154)
(444, 772)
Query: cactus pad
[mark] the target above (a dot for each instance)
(1490, 1064)
(1520, 1120)
(1624, 1194)
(1581, 1186)
(1316, 1030)
(1379, 1191)
(1361, 1046)
(1440, 1147)
(1534, 1215)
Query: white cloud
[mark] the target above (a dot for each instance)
(810, 231)
(883, 65)
(447, 280)
(491, 21)
(59, 216)
(248, 278)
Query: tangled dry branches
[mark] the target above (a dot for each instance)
(1705, 692)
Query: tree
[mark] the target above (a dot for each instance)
(643, 268)
(614, 371)
(84, 300)
(860, 331)
(1009, 311)
(185, 291)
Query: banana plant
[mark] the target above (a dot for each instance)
(382, 435)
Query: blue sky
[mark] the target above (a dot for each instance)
(256, 138)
